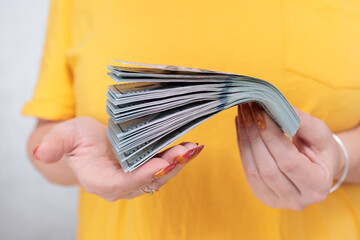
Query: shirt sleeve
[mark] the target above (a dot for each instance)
(53, 98)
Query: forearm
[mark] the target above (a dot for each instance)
(58, 172)
(351, 140)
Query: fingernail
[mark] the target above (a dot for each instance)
(246, 114)
(165, 171)
(240, 118)
(192, 153)
(33, 153)
(258, 116)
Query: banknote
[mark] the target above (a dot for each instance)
(172, 68)
(151, 106)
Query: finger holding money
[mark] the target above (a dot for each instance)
(176, 157)
(299, 172)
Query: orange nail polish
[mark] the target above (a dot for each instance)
(33, 153)
(246, 114)
(165, 171)
(192, 153)
(240, 117)
(258, 116)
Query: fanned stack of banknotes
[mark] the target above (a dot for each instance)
(154, 105)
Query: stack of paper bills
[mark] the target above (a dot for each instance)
(154, 105)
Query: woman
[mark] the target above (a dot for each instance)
(308, 49)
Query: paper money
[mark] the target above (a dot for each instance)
(151, 106)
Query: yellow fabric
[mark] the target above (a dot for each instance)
(309, 49)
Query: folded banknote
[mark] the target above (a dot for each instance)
(151, 106)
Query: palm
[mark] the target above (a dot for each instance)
(83, 145)
(93, 154)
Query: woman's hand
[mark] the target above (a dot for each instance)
(284, 173)
(82, 144)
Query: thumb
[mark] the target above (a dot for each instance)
(312, 131)
(58, 142)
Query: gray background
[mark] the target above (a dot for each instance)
(30, 207)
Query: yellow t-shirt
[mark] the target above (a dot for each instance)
(309, 49)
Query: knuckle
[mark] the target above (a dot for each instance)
(321, 124)
(318, 197)
(252, 136)
(288, 165)
(270, 138)
(269, 173)
(297, 206)
(323, 132)
(253, 173)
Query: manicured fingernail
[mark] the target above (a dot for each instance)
(246, 114)
(33, 153)
(258, 116)
(165, 171)
(240, 119)
(192, 153)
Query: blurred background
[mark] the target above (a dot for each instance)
(30, 207)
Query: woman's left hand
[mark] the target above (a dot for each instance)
(284, 173)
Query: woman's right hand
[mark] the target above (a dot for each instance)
(82, 144)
